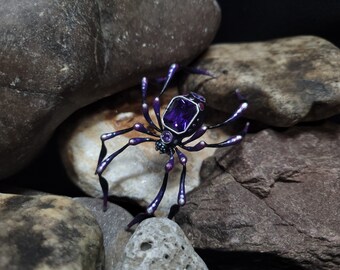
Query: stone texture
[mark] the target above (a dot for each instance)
(112, 223)
(59, 56)
(286, 81)
(278, 196)
(159, 243)
(136, 173)
(48, 232)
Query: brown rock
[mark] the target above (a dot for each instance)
(278, 196)
(286, 81)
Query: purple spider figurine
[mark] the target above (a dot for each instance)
(181, 123)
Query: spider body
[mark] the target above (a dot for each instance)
(181, 123)
(183, 116)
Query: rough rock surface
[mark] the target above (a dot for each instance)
(48, 232)
(159, 243)
(286, 81)
(112, 223)
(278, 197)
(58, 56)
(137, 173)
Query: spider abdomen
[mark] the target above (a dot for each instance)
(184, 114)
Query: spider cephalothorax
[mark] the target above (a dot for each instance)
(180, 124)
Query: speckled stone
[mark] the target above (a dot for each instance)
(58, 56)
(48, 232)
(286, 81)
(160, 244)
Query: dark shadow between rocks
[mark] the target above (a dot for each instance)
(221, 260)
(45, 174)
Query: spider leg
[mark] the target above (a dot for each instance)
(237, 114)
(198, 71)
(171, 72)
(103, 163)
(150, 210)
(145, 107)
(191, 70)
(156, 103)
(157, 109)
(230, 141)
(181, 198)
(199, 133)
(174, 68)
(110, 135)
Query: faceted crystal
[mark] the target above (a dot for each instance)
(179, 114)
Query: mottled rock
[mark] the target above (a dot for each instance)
(137, 172)
(286, 81)
(112, 223)
(48, 232)
(159, 243)
(59, 56)
(278, 196)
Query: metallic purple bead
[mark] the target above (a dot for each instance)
(180, 114)
(167, 136)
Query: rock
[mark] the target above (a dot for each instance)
(159, 243)
(112, 223)
(286, 81)
(137, 173)
(57, 57)
(48, 232)
(278, 197)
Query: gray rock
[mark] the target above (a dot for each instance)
(159, 243)
(278, 196)
(112, 223)
(48, 232)
(57, 57)
(286, 81)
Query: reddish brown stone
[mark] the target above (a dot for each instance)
(279, 196)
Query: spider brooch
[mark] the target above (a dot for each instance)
(180, 124)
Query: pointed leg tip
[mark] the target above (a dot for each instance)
(105, 205)
(173, 211)
(247, 127)
(210, 74)
(239, 95)
(138, 219)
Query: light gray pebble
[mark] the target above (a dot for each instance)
(159, 243)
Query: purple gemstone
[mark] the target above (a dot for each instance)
(180, 114)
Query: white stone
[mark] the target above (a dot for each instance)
(159, 243)
(138, 171)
